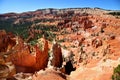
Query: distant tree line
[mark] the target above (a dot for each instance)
(115, 13)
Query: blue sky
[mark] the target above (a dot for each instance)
(31, 5)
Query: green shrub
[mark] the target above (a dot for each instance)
(115, 13)
(116, 73)
(62, 40)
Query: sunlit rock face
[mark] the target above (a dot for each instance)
(25, 61)
(6, 41)
(42, 56)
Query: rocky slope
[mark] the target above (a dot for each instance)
(59, 44)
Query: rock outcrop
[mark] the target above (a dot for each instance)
(7, 70)
(4, 71)
(85, 23)
(25, 61)
(6, 41)
(96, 42)
(49, 74)
(57, 56)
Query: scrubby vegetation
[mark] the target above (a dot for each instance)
(115, 13)
(116, 73)
(23, 29)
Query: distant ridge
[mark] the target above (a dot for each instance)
(77, 8)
